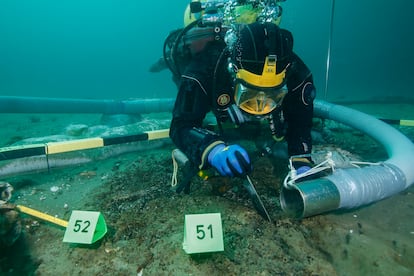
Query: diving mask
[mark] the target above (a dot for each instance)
(260, 94)
(258, 101)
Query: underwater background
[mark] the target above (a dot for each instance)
(103, 49)
(361, 56)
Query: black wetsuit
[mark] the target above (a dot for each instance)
(206, 82)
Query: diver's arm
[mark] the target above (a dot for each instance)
(190, 109)
(298, 107)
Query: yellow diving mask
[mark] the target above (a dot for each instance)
(260, 94)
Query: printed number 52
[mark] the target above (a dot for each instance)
(81, 226)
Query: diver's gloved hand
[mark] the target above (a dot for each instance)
(230, 160)
(301, 164)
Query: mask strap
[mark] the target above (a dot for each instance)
(270, 35)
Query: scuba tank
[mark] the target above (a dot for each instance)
(208, 20)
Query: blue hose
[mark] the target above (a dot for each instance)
(354, 187)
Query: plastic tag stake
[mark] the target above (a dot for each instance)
(85, 227)
(203, 233)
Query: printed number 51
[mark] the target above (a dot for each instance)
(201, 233)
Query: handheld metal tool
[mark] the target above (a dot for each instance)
(257, 202)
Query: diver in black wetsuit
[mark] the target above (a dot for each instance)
(258, 77)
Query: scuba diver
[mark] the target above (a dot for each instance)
(244, 71)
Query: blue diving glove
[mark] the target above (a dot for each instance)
(230, 160)
(302, 165)
(302, 169)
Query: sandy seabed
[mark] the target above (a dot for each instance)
(145, 216)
